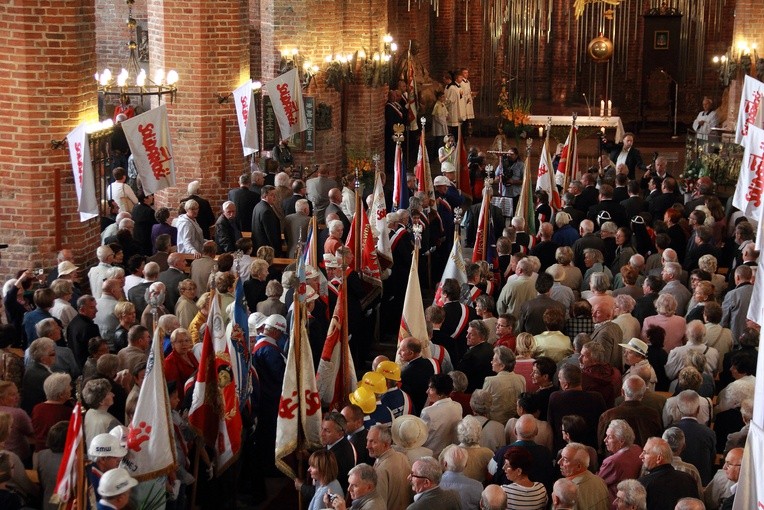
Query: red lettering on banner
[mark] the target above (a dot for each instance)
(244, 108)
(287, 407)
(313, 402)
(157, 156)
(542, 170)
(751, 110)
(290, 107)
(756, 188)
(78, 155)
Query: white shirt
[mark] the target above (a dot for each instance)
(710, 120)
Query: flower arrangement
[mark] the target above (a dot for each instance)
(366, 166)
(718, 160)
(338, 74)
(514, 114)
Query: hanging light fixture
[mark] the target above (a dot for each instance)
(132, 79)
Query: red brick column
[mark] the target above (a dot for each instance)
(48, 63)
(207, 42)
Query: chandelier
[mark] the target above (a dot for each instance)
(132, 79)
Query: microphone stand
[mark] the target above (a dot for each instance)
(589, 108)
(676, 100)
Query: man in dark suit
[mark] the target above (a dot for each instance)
(425, 479)
(661, 203)
(333, 439)
(589, 195)
(620, 192)
(702, 454)
(245, 201)
(572, 399)
(82, 328)
(532, 312)
(318, 191)
(635, 204)
(664, 484)
(415, 376)
(43, 354)
(606, 203)
(227, 229)
(625, 153)
(296, 226)
(356, 433)
(136, 295)
(266, 227)
(542, 470)
(335, 206)
(645, 306)
(172, 278)
(299, 191)
(206, 217)
(576, 216)
(476, 362)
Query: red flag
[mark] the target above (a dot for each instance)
(68, 472)
(422, 170)
(545, 181)
(567, 168)
(336, 377)
(462, 168)
(412, 95)
(400, 191)
(214, 409)
(369, 267)
(480, 250)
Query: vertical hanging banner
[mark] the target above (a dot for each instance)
(244, 101)
(749, 192)
(149, 137)
(751, 111)
(82, 166)
(286, 97)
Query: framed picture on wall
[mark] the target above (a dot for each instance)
(661, 40)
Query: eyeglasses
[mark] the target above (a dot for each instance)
(728, 464)
(412, 475)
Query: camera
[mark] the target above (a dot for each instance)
(38, 272)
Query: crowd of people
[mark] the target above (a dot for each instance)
(606, 361)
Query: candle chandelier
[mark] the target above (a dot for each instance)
(132, 80)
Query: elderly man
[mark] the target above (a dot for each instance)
(664, 484)
(672, 274)
(492, 498)
(690, 504)
(607, 333)
(517, 290)
(43, 353)
(644, 421)
(564, 495)
(296, 225)
(623, 462)
(587, 240)
(266, 226)
(201, 268)
(631, 496)
(111, 294)
(592, 491)
(676, 441)
(335, 206)
(453, 460)
(695, 333)
(703, 440)
(736, 302)
(532, 311)
(476, 362)
(227, 228)
(732, 469)
(416, 373)
(97, 274)
(318, 191)
(542, 470)
(706, 120)
(137, 350)
(362, 487)
(65, 362)
(82, 328)
(425, 482)
(190, 233)
(505, 386)
(171, 278)
(392, 468)
(443, 415)
(137, 294)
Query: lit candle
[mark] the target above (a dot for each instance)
(602, 130)
(541, 131)
(609, 107)
(602, 108)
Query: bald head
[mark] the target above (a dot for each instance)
(690, 504)
(176, 260)
(493, 498)
(526, 427)
(335, 195)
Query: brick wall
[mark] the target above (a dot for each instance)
(51, 44)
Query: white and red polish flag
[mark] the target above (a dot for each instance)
(286, 97)
(150, 440)
(751, 111)
(149, 137)
(245, 114)
(68, 470)
(82, 166)
(545, 181)
(749, 193)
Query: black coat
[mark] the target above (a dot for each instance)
(245, 201)
(266, 228)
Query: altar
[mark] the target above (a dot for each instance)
(565, 120)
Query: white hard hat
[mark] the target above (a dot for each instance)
(115, 482)
(106, 445)
(120, 432)
(276, 321)
(254, 321)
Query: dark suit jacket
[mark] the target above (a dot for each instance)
(144, 219)
(288, 205)
(620, 193)
(245, 201)
(32, 392)
(532, 313)
(136, 296)
(645, 307)
(576, 216)
(476, 365)
(588, 197)
(473, 218)
(701, 447)
(358, 440)
(666, 486)
(661, 203)
(633, 158)
(633, 206)
(78, 332)
(171, 278)
(415, 378)
(587, 404)
(266, 228)
(441, 499)
(334, 208)
(226, 234)
(617, 213)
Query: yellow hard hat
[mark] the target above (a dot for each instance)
(390, 369)
(374, 381)
(364, 398)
